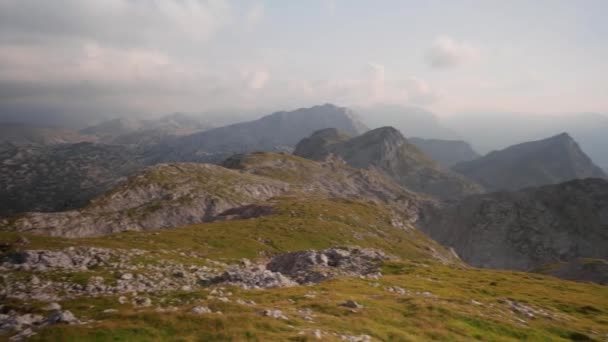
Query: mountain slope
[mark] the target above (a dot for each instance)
(548, 161)
(18, 133)
(386, 150)
(170, 285)
(170, 195)
(527, 229)
(145, 132)
(445, 152)
(274, 132)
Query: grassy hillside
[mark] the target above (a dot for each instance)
(418, 298)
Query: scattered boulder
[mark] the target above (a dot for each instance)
(65, 317)
(352, 304)
(142, 302)
(255, 278)
(274, 314)
(311, 266)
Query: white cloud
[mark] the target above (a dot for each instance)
(447, 53)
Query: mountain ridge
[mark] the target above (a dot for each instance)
(547, 161)
(387, 150)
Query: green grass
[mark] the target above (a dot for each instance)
(578, 311)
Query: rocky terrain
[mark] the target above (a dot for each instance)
(527, 229)
(269, 246)
(386, 150)
(172, 195)
(553, 160)
(279, 131)
(60, 177)
(445, 152)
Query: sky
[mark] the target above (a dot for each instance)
(122, 57)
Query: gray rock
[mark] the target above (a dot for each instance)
(143, 302)
(314, 266)
(274, 314)
(52, 307)
(352, 304)
(63, 317)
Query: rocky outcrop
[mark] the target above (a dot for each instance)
(173, 195)
(130, 277)
(307, 267)
(445, 152)
(275, 132)
(332, 177)
(527, 229)
(549, 161)
(164, 196)
(386, 150)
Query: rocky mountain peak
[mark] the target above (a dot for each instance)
(548, 161)
(387, 150)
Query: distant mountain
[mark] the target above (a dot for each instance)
(386, 150)
(411, 121)
(486, 131)
(446, 152)
(20, 133)
(60, 177)
(145, 132)
(275, 132)
(548, 161)
(528, 229)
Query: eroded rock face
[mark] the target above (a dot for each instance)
(527, 229)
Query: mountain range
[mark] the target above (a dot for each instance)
(495, 131)
(548, 161)
(386, 150)
(279, 131)
(366, 238)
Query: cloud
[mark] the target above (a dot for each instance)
(448, 53)
(114, 22)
